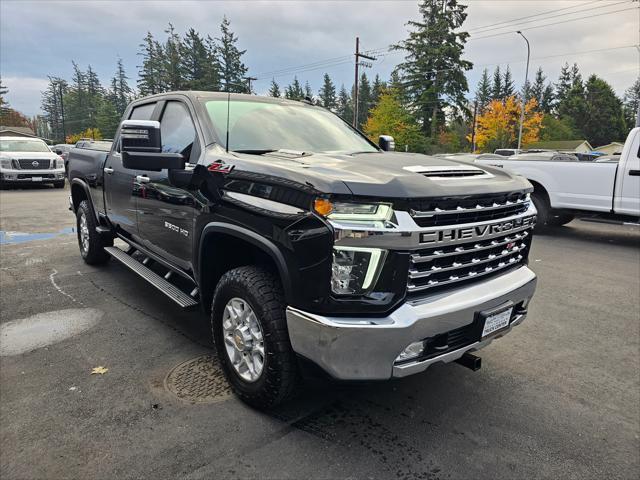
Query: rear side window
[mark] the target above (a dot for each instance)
(176, 129)
(143, 112)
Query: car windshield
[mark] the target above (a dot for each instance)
(26, 145)
(259, 127)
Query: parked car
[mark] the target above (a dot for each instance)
(62, 149)
(305, 242)
(29, 160)
(564, 188)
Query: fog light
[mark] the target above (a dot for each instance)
(413, 350)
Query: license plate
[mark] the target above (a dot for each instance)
(496, 321)
(36, 179)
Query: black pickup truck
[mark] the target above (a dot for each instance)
(312, 248)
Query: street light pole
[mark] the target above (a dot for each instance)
(524, 95)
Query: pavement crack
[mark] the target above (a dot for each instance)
(60, 290)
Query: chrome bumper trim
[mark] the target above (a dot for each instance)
(355, 348)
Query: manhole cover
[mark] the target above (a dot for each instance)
(198, 380)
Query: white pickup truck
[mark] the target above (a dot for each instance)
(565, 188)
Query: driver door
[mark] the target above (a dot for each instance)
(166, 213)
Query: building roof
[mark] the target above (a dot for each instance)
(612, 144)
(559, 144)
(18, 130)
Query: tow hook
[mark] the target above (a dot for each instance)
(470, 361)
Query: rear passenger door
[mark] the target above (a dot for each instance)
(120, 187)
(166, 213)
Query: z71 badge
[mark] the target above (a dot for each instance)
(177, 229)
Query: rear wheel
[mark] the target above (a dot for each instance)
(91, 243)
(250, 332)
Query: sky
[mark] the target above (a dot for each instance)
(41, 38)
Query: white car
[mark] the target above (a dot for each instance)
(29, 160)
(565, 188)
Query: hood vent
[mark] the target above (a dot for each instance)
(453, 171)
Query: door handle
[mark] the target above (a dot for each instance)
(108, 170)
(634, 173)
(142, 179)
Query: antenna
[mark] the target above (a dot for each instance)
(228, 107)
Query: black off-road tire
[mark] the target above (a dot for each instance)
(263, 292)
(561, 219)
(94, 253)
(548, 218)
(59, 184)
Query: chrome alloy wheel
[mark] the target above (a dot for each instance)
(83, 230)
(243, 339)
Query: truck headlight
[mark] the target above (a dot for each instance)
(355, 270)
(368, 212)
(59, 162)
(5, 162)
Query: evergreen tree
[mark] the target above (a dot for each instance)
(76, 101)
(232, 70)
(571, 104)
(327, 93)
(396, 85)
(603, 121)
(483, 92)
(344, 105)
(174, 75)
(152, 71)
(95, 96)
(365, 100)
(377, 89)
(496, 88)
(308, 93)
(563, 85)
(198, 63)
(107, 118)
(3, 92)
(508, 88)
(542, 92)
(51, 105)
(294, 91)
(433, 68)
(632, 103)
(274, 89)
(121, 93)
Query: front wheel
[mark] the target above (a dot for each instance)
(91, 243)
(249, 328)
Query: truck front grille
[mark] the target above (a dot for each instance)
(454, 211)
(33, 164)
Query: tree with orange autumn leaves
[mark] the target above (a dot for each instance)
(497, 126)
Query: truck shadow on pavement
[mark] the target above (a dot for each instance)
(628, 236)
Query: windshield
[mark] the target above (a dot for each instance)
(256, 126)
(23, 146)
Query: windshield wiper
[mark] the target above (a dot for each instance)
(256, 151)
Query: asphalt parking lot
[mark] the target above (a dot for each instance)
(557, 398)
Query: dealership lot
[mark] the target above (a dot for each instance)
(559, 397)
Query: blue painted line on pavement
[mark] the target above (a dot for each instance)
(7, 238)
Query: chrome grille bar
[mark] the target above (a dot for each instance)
(416, 258)
(414, 274)
(455, 279)
(458, 210)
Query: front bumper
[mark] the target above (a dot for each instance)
(31, 176)
(353, 348)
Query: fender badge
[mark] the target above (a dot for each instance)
(221, 167)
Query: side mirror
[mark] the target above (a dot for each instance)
(387, 143)
(141, 147)
(58, 152)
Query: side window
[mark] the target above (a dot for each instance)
(177, 130)
(143, 112)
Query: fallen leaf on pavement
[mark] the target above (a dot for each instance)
(99, 370)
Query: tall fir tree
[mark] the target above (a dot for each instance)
(365, 100)
(51, 104)
(603, 121)
(274, 89)
(631, 104)
(377, 88)
(433, 69)
(508, 88)
(121, 93)
(483, 91)
(76, 103)
(563, 85)
(542, 92)
(198, 63)
(174, 74)
(152, 71)
(497, 87)
(327, 93)
(294, 91)
(344, 107)
(308, 93)
(232, 70)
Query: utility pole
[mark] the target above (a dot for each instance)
(249, 79)
(524, 96)
(355, 85)
(473, 127)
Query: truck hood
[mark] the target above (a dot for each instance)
(382, 174)
(29, 155)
